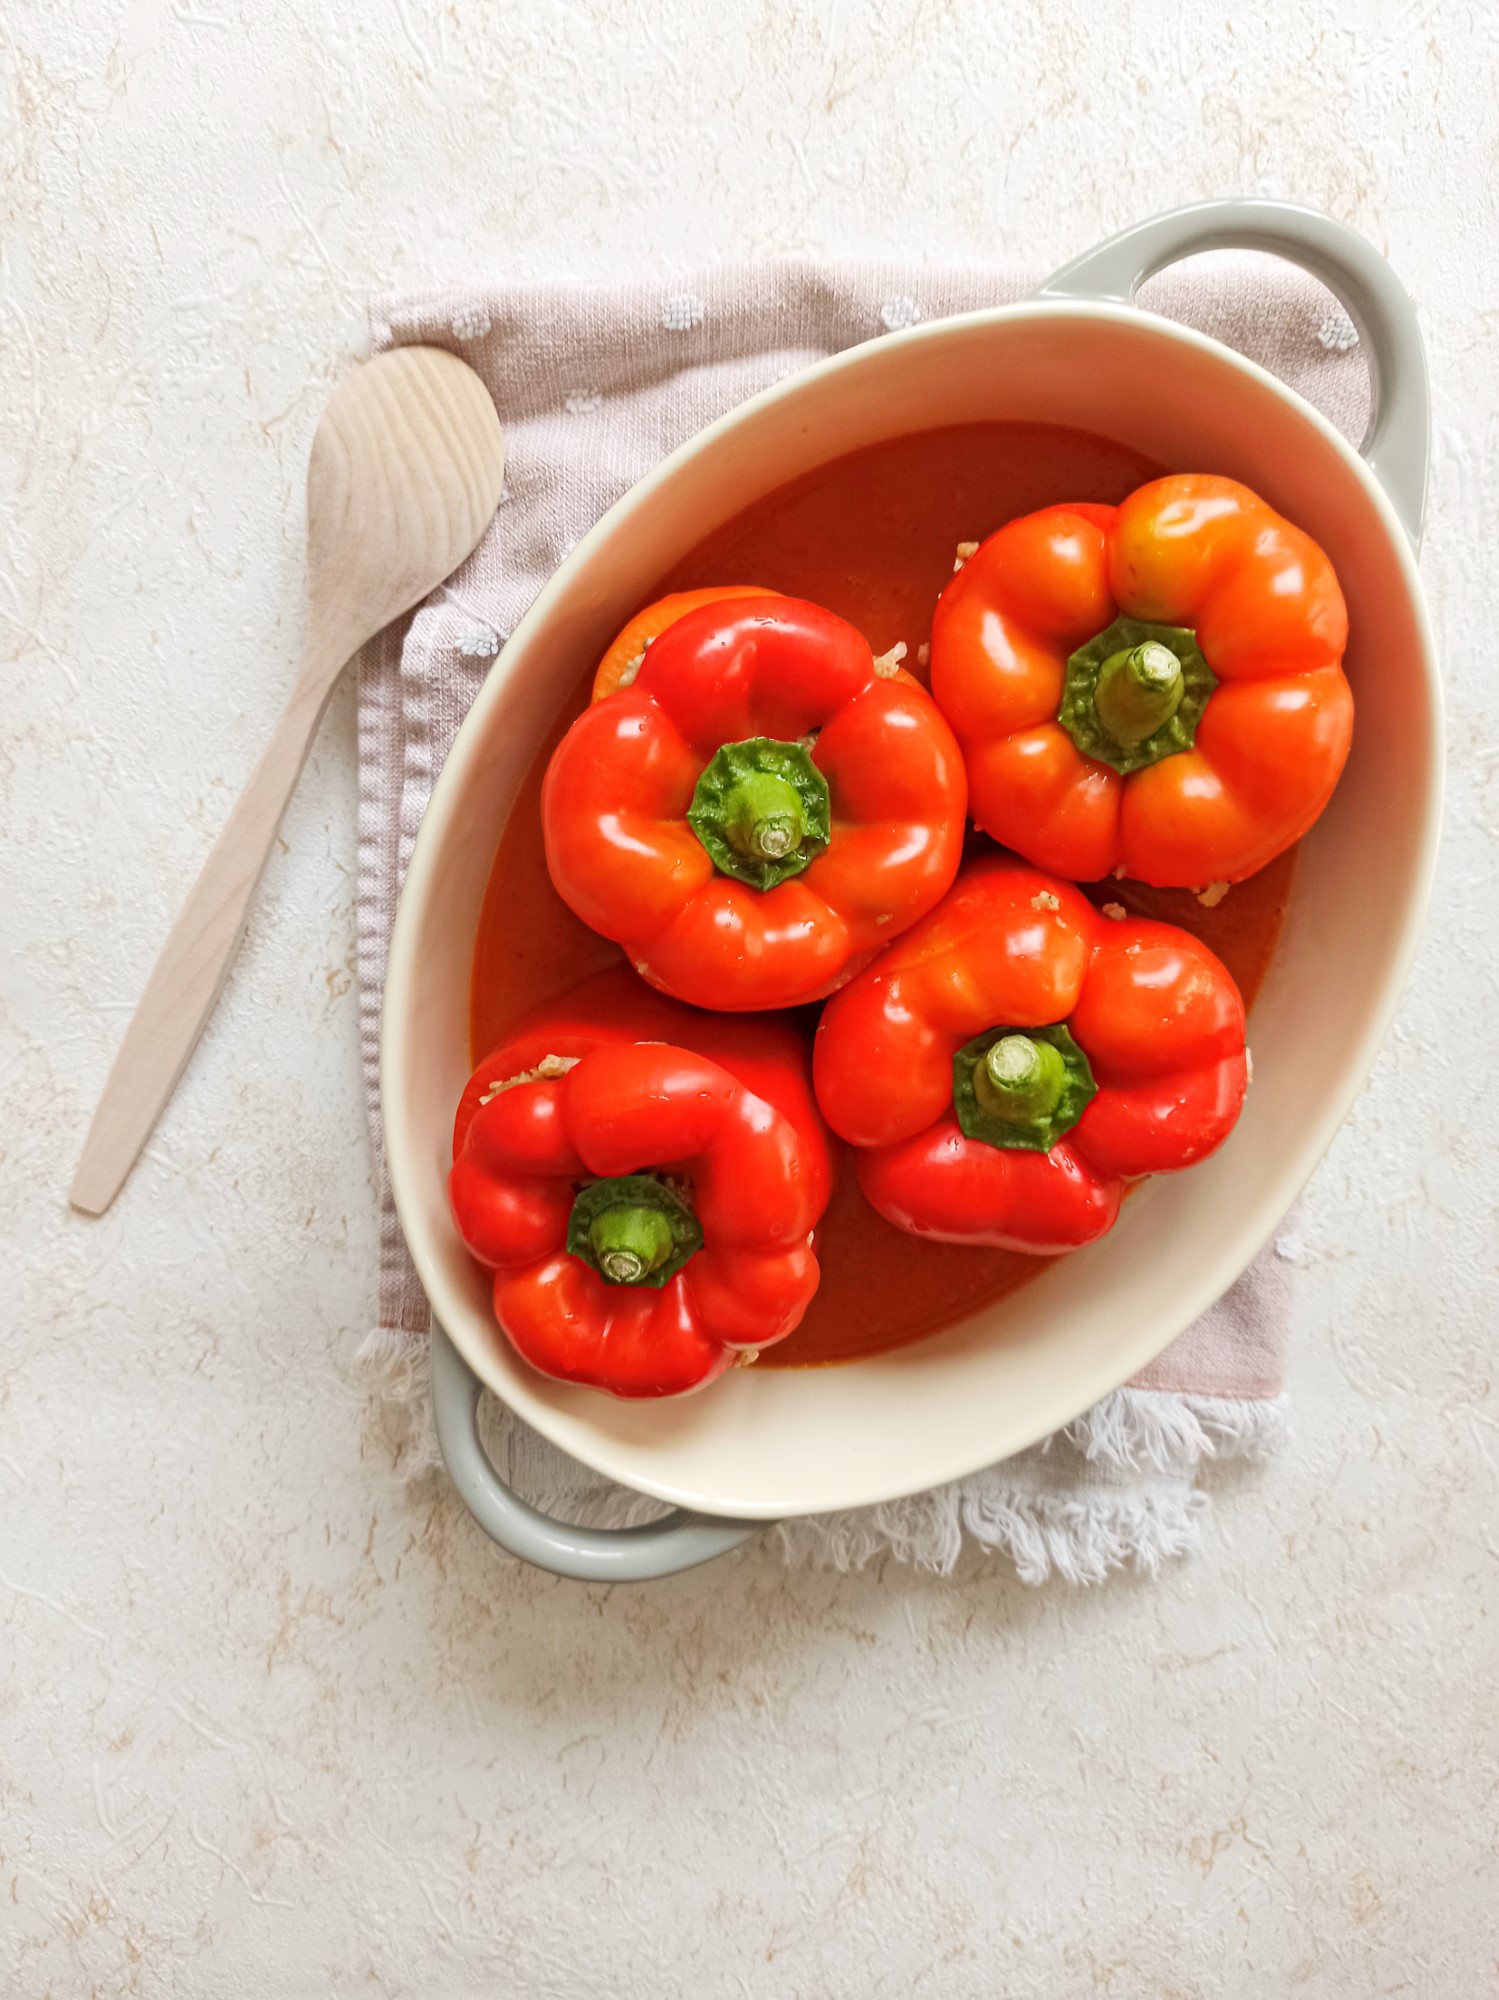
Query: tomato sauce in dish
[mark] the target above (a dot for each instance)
(872, 537)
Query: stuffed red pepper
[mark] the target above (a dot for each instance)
(1016, 1058)
(759, 810)
(1154, 689)
(647, 1208)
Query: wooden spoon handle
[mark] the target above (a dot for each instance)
(194, 964)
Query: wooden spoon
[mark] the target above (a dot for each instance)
(404, 479)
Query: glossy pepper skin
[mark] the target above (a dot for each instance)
(626, 652)
(1194, 555)
(1156, 1017)
(640, 844)
(735, 1158)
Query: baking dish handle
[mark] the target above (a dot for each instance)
(593, 1555)
(1396, 443)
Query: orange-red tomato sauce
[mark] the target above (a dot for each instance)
(872, 537)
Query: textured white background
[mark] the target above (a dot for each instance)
(270, 1724)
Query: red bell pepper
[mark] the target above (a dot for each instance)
(648, 1211)
(1154, 689)
(626, 652)
(1018, 1056)
(760, 810)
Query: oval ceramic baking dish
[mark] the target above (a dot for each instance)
(765, 1444)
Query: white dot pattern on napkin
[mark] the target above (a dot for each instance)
(896, 314)
(471, 323)
(479, 642)
(1337, 333)
(582, 402)
(682, 312)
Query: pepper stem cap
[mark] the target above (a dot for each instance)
(1135, 694)
(1020, 1079)
(762, 811)
(1138, 692)
(633, 1229)
(763, 817)
(1021, 1087)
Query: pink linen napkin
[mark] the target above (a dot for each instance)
(595, 383)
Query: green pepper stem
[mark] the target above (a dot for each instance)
(1020, 1080)
(761, 809)
(762, 816)
(630, 1243)
(1138, 692)
(1021, 1087)
(633, 1229)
